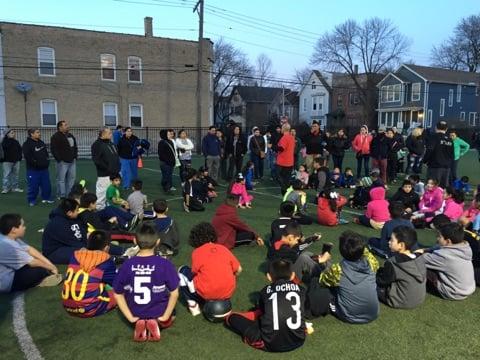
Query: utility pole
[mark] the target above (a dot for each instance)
(283, 100)
(199, 8)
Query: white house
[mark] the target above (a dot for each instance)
(315, 98)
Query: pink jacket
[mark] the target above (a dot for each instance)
(452, 209)
(361, 144)
(377, 208)
(241, 190)
(431, 200)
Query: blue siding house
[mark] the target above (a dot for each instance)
(421, 96)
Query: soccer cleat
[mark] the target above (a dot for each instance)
(51, 280)
(140, 333)
(153, 330)
(194, 309)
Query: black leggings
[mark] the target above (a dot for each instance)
(27, 277)
(244, 238)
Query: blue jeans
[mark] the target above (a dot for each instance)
(365, 159)
(272, 163)
(476, 223)
(129, 171)
(37, 179)
(258, 165)
(167, 173)
(66, 173)
(10, 175)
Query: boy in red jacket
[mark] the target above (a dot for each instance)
(231, 230)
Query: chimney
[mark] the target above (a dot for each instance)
(355, 67)
(147, 23)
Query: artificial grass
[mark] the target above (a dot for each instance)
(437, 329)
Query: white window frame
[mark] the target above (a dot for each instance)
(462, 116)
(383, 94)
(114, 67)
(304, 104)
(42, 113)
(314, 86)
(130, 115)
(53, 61)
(428, 123)
(416, 94)
(116, 113)
(139, 69)
(459, 93)
(397, 91)
(390, 92)
(441, 112)
(471, 119)
(450, 98)
(314, 103)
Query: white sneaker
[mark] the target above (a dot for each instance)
(131, 251)
(195, 309)
(5, 191)
(18, 190)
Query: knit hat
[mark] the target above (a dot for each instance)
(366, 181)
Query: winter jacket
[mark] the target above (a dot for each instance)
(377, 208)
(92, 221)
(439, 151)
(409, 200)
(325, 215)
(315, 143)
(395, 144)
(166, 152)
(299, 198)
(64, 147)
(184, 148)
(380, 147)
(227, 224)
(361, 144)
(105, 158)
(356, 298)
(211, 146)
(460, 148)
(286, 149)
(257, 144)
(338, 145)
(236, 148)
(431, 200)
(126, 147)
(452, 209)
(12, 150)
(405, 280)
(453, 265)
(415, 145)
(36, 154)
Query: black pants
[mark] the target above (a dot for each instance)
(234, 163)
(167, 173)
(184, 166)
(244, 238)
(303, 219)
(284, 174)
(392, 168)
(27, 277)
(248, 327)
(338, 161)
(318, 299)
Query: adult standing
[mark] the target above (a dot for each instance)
(460, 148)
(107, 162)
(235, 149)
(338, 144)
(314, 144)
(117, 134)
(36, 157)
(416, 148)
(379, 148)
(128, 147)
(258, 150)
(361, 146)
(285, 158)
(395, 144)
(211, 149)
(223, 159)
(63, 146)
(298, 148)
(476, 142)
(184, 148)
(272, 151)
(167, 154)
(439, 155)
(12, 155)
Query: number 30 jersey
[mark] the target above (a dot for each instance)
(283, 321)
(146, 283)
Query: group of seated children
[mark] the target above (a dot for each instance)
(198, 189)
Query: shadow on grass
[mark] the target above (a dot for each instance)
(5, 307)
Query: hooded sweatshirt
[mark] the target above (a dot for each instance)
(101, 271)
(325, 215)
(405, 279)
(409, 200)
(356, 298)
(431, 200)
(453, 264)
(36, 154)
(453, 209)
(227, 224)
(377, 208)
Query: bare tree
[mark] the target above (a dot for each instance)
(231, 67)
(462, 50)
(301, 77)
(263, 71)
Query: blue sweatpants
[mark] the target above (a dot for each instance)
(37, 179)
(129, 171)
(123, 217)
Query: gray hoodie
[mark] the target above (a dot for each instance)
(453, 264)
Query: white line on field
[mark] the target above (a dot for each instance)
(24, 338)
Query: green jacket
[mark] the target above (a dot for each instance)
(460, 148)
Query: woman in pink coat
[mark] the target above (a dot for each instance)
(453, 207)
(361, 146)
(239, 188)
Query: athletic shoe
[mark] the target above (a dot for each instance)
(18, 190)
(343, 221)
(51, 280)
(4, 191)
(165, 252)
(194, 309)
(131, 251)
(173, 189)
(185, 208)
(140, 333)
(153, 330)
(47, 201)
(31, 204)
(134, 222)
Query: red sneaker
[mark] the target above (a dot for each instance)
(153, 330)
(140, 333)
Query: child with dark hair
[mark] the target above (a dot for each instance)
(77, 190)
(277, 324)
(430, 203)
(453, 203)
(296, 194)
(167, 229)
(471, 217)
(249, 174)
(137, 200)
(407, 196)
(286, 211)
(462, 184)
(239, 188)
(348, 178)
(354, 296)
(154, 307)
(418, 185)
(191, 197)
(93, 295)
(336, 177)
(329, 208)
(302, 175)
(450, 271)
(320, 177)
(22, 266)
(402, 278)
(113, 192)
(116, 206)
(208, 184)
(360, 197)
(377, 213)
(213, 272)
(380, 246)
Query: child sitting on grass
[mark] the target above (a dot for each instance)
(22, 266)
(191, 196)
(348, 178)
(277, 324)
(470, 217)
(208, 185)
(430, 203)
(377, 213)
(238, 188)
(213, 272)
(329, 207)
(302, 175)
(360, 197)
(453, 203)
(286, 211)
(407, 196)
(336, 178)
(137, 200)
(87, 290)
(418, 185)
(402, 278)
(167, 229)
(114, 201)
(153, 307)
(462, 184)
(296, 194)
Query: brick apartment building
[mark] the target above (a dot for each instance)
(94, 78)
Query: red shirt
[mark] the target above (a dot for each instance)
(285, 156)
(214, 267)
(227, 223)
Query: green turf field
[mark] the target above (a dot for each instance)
(438, 329)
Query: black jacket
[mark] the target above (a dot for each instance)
(237, 151)
(36, 154)
(415, 145)
(409, 200)
(439, 151)
(12, 150)
(105, 158)
(315, 144)
(257, 144)
(338, 145)
(395, 144)
(379, 148)
(61, 148)
(126, 146)
(166, 152)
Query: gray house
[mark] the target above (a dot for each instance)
(421, 96)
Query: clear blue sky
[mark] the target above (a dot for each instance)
(425, 22)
